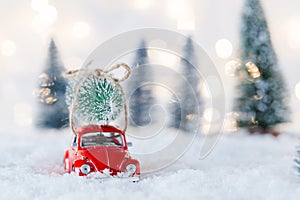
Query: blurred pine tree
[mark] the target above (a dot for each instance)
(52, 109)
(262, 94)
(185, 107)
(141, 99)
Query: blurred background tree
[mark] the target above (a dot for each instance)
(140, 92)
(262, 94)
(52, 108)
(185, 107)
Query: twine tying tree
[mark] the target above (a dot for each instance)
(105, 83)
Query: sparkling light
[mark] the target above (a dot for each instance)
(50, 100)
(253, 70)
(223, 48)
(231, 122)
(257, 97)
(232, 66)
(253, 121)
(46, 96)
(293, 32)
(190, 116)
(8, 48)
(45, 80)
(297, 90)
(81, 29)
(39, 5)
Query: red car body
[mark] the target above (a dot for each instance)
(100, 148)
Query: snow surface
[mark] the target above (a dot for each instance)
(241, 166)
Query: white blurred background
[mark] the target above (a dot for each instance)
(78, 27)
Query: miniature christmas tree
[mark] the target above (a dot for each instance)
(262, 94)
(95, 96)
(141, 98)
(184, 115)
(98, 100)
(52, 109)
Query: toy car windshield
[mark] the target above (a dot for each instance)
(102, 139)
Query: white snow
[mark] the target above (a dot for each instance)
(241, 166)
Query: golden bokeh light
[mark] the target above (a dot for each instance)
(190, 116)
(253, 70)
(50, 100)
(231, 124)
(253, 121)
(257, 97)
(45, 80)
(45, 95)
(45, 92)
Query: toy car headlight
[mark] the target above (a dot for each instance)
(131, 168)
(85, 169)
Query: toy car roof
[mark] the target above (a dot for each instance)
(98, 128)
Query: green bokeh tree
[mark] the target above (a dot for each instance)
(52, 111)
(185, 107)
(140, 92)
(261, 103)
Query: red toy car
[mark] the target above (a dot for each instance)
(101, 148)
